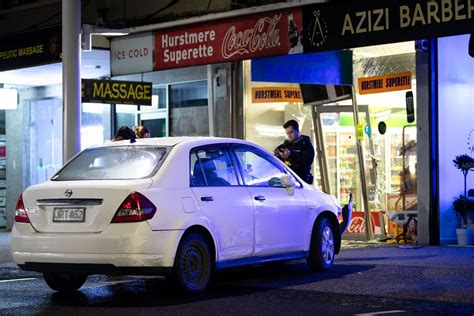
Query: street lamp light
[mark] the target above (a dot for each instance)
(88, 30)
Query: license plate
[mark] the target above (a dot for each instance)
(63, 214)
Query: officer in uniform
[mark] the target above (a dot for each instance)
(297, 151)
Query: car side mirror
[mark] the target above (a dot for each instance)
(275, 182)
(288, 183)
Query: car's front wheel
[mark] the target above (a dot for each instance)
(64, 282)
(193, 266)
(321, 251)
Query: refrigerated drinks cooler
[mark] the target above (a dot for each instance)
(386, 169)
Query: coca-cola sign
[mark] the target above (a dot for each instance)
(357, 223)
(262, 36)
(247, 37)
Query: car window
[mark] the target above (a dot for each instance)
(257, 169)
(113, 163)
(212, 167)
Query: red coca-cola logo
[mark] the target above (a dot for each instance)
(262, 36)
(357, 225)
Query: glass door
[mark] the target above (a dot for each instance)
(155, 119)
(45, 139)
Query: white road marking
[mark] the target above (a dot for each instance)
(382, 313)
(16, 280)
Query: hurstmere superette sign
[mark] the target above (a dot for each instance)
(267, 34)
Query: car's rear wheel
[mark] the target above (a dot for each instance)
(64, 282)
(193, 266)
(321, 251)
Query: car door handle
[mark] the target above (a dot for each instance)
(259, 198)
(207, 198)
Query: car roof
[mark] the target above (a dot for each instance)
(173, 141)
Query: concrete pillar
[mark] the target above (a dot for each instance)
(71, 38)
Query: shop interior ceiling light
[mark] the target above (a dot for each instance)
(8, 99)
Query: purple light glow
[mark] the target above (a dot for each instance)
(456, 119)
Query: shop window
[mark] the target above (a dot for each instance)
(157, 127)
(95, 124)
(124, 115)
(45, 139)
(158, 99)
(188, 109)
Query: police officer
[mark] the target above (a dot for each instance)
(297, 151)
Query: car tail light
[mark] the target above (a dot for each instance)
(21, 215)
(135, 208)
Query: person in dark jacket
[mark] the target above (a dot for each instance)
(297, 151)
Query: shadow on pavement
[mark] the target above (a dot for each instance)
(155, 292)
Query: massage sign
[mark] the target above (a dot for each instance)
(116, 92)
(230, 39)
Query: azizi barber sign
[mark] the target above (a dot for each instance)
(273, 33)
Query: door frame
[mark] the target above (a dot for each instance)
(316, 112)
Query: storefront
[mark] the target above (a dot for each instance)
(197, 69)
(396, 128)
(407, 167)
(31, 128)
(389, 156)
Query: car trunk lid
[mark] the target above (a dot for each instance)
(77, 206)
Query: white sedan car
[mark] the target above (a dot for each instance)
(179, 207)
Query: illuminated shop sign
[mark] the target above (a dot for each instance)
(259, 35)
(30, 49)
(276, 94)
(385, 83)
(337, 25)
(116, 92)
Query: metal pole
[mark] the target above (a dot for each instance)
(71, 38)
(210, 87)
(321, 150)
(369, 234)
(234, 100)
(374, 172)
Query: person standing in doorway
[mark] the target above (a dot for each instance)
(297, 151)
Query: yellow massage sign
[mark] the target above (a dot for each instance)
(116, 92)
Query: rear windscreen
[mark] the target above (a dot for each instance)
(113, 163)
